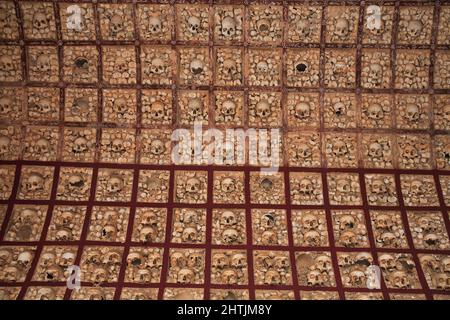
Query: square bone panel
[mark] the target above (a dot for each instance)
(225, 150)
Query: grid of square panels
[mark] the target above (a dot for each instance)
(151, 238)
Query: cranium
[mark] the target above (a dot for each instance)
(40, 21)
(268, 220)
(6, 105)
(116, 23)
(303, 27)
(416, 187)
(303, 151)
(80, 145)
(190, 216)
(446, 112)
(193, 24)
(341, 28)
(323, 263)
(189, 235)
(363, 258)
(43, 63)
(108, 232)
(263, 109)
(378, 187)
(117, 146)
(229, 66)
(76, 181)
(143, 275)
(347, 222)
(42, 146)
(196, 66)
(100, 274)
(272, 277)
(312, 238)
(262, 67)
(387, 261)
(53, 273)
(414, 28)
(339, 148)
(388, 238)
(157, 66)
(229, 236)
(154, 24)
(302, 110)
(120, 106)
(11, 273)
(375, 150)
(96, 294)
(412, 113)
(228, 27)
(6, 63)
(27, 215)
(228, 109)
(383, 221)
(193, 185)
(310, 221)
(63, 235)
(410, 152)
(81, 64)
(147, 234)
(157, 147)
(343, 185)
(266, 184)
(357, 278)
(46, 294)
(112, 257)
(269, 237)
(121, 66)
(114, 184)
(400, 279)
(441, 281)
(410, 71)
(5, 257)
(228, 185)
(263, 25)
(43, 106)
(195, 108)
(238, 260)
(134, 259)
(66, 218)
(48, 259)
(315, 278)
(430, 262)
(431, 240)
(376, 73)
(35, 182)
(220, 261)
(24, 258)
(306, 186)
(339, 109)
(375, 112)
(228, 218)
(185, 276)
(445, 264)
(157, 110)
(149, 218)
(80, 105)
(229, 276)
(348, 238)
(154, 260)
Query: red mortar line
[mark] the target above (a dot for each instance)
(249, 237)
(444, 212)
(409, 238)
(10, 203)
(208, 231)
(40, 246)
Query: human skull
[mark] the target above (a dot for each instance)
(375, 112)
(229, 66)
(228, 218)
(302, 110)
(76, 181)
(5, 257)
(378, 187)
(315, 278)
(441, 281)
(399, 279)
(228, 27)
(63, 235)
(11, 273)
(100, 275)
(24, 259)
(375, 150)
(80, 145)
(431, 240)
(43, 63)
(238, 260)
(269, 237)
(157, 110)
(40, 21)
(416, 187)
(195, 108)
(189, 235)
(348, 238)
(108, 232)
(306, 186)
(263, 25)
(347, 222)
(387, 261)
(116, 23)
(196, 66)
(303, 151)
(185, 276)
(414, 28)
(312, 238)
(445, 264)
(228, 185)
(35, 182)
(410, 152)
(157, 147)
(412, 113)
(117, 146)
(339, 109)
(310, 221)
(220, 261)
(262, 67)
(263, 109)
(357, 278)
(340, 148)
(428, 261)
(147, 234)
(80, 105)
(341, 28)
(114, 184)
(42, 146)
(230, 235)
(343, 185)
(383, 221)
(157, 66)
(67, 259)
(272, 277)
(376, 73)
(6, 105)
(43, 106)
(120, 106)
(323, 263)
(229, 276)
(120, 66)
(193, 24)
(193, 185)
(228, 109)
(388, 238)
(46, 294)
(154, 24)
(48, 259)
(268, 220)
(303, 27)
(410, 71)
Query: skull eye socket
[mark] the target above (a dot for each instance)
(301, 67)
(81, 63)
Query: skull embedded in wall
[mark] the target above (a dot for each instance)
(193, 185)
(40, 21)
(375, 150)
(75, 182)
(120, 106)
(375, 112)
(412, 113)
(116, 24)
(35, 182)
(410, 71)
(80, 145)
(410, 152)
(220, 261)
(196, 66)
(343, 185)
(414, 28)
(228, 27)
(229, 67)
(228, 109)
(154, 24)
(306, 186)
(375, 73)
(43, 106)
(42, 146)
(378, 187)
(80, 105)
(228, 185)
(185, 276)
(399, 279)
(193, 25)
(303, 152)
(263, 109)
(310, 221)
(302, 110)
(43, 63)
(6, 105)
(5, 143)
(157, 147)
(266, 184)
(340, 148)
(114, 184)
(262, 67)
(230, 236)
(339, 109)
(263, 25)
(195, 108)
(117, 146)
(157, 110)
(342, 28)
(228, 218)
(303, 27)
(157, 66)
